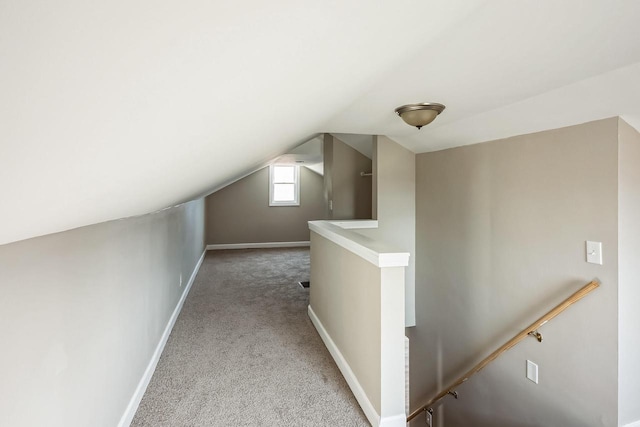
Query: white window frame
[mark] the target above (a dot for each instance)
(296, 191)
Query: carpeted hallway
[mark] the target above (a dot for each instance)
(244, 353)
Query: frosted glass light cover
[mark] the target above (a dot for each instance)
(419, 117)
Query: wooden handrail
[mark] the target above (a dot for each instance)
(512, 342)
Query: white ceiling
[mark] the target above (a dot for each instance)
(510, 68)
(361, 143)
(308, 154)
(119, 108)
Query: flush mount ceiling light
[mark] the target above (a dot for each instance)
(419, 115)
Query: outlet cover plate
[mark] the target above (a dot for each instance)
(532, 371)
(594, 252)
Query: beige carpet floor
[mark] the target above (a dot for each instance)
(243, 351)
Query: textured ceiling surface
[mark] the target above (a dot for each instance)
(120, 108)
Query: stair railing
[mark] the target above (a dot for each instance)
(531, 330)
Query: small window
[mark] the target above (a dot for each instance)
(284, 185)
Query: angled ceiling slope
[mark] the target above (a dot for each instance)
(122, 108)
(361, 143)
(511, 68)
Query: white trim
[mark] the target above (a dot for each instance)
(352, 224)
(296, 185)
(392, 345)
(347, 373)
(633, 424)
(395, 421)
(132, 407)
(407, 367)
(375, 252)
(262, 245)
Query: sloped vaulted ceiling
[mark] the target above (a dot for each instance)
(119, 108)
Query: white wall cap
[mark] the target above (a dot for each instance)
(350, 224)
(376, 252)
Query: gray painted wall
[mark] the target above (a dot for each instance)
(327, 189)
(240, 213)
(350, 314)
(501, 230)
(82, 312)
(351, 193)
(629, 290)
(395, 182)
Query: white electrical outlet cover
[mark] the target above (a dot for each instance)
(429, 418)
(532, 371)
(594, 252)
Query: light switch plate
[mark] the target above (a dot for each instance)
(594, 252)
(532, 371)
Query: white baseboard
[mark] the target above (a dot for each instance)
(634, 424)
(263, 245)
(130, 412)
(366, 405)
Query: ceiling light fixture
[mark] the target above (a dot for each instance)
(419, 115)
